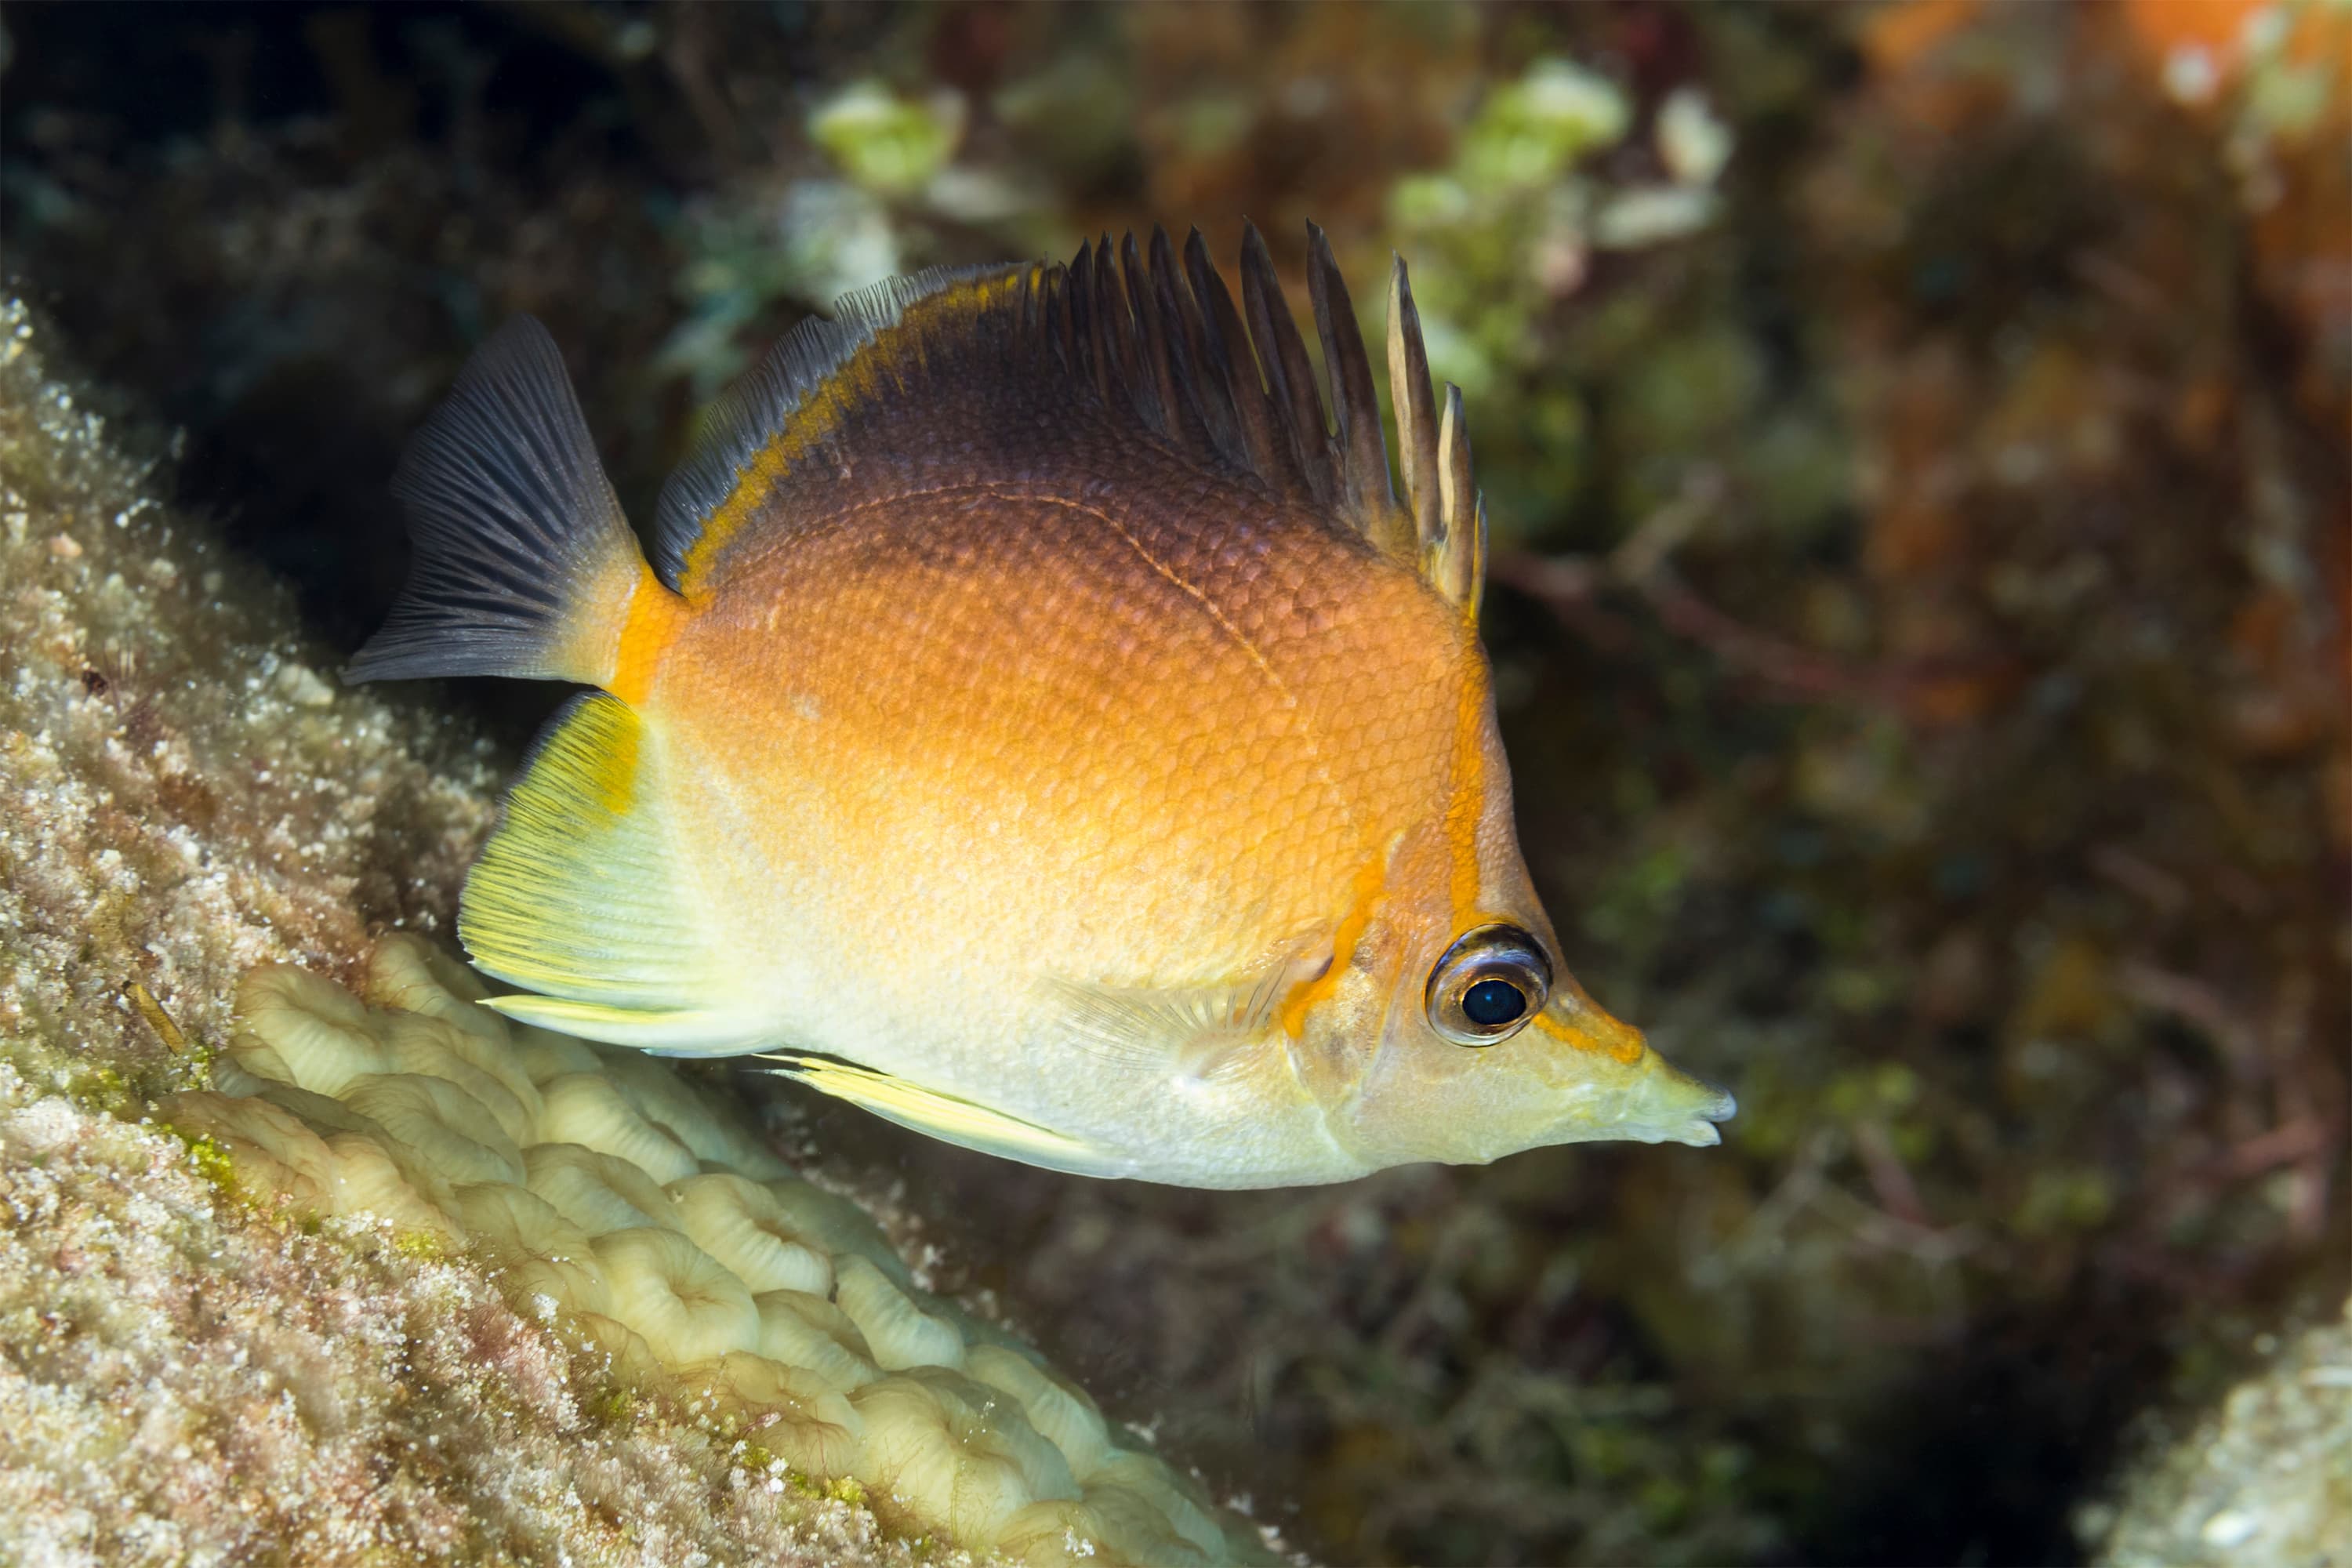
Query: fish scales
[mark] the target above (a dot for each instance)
(1011, 738)
(1186, 738)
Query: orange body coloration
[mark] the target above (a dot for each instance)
(1060, 763)
(1076, 697)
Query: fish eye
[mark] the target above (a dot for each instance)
(1491, 1004)
(1488, 984)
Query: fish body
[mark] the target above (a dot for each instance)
(1034, 725)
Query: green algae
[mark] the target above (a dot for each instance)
(211, 1161)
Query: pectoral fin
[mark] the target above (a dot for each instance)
(1199, 1032)
(948, 1117)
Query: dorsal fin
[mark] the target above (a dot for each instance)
(742, 430)
(1265, 449)
(919, 380)
(1282, 354)
(1364, 490)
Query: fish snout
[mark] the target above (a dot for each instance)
(1667, 1105)
(1620, 1088)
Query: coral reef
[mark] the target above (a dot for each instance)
(183, 1381)
(1919, 610)
(189, 792)
(313, 1278)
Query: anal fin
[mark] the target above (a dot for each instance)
(582, 895)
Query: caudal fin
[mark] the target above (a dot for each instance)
(524, 564)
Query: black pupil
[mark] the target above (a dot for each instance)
(1493, 1001)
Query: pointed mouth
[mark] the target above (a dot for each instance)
(1701, 1131)
(1673, 1107)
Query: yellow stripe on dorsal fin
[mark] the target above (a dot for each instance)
(949, 1117)
(581, 895)
(793, 411)
(997, 375)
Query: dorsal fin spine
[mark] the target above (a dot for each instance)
(1458, 564)
(1185, 389)
(1416, 410)
(1289, 376)
(1363, 456)
(1202, 383)
(1114, 325)
(1228, 343)
(1078, 300)
(1157, 384)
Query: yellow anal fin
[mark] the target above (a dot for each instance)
(948, 1117)
(583, 894)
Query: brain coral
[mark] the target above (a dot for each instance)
(606, 1193)
(289, 1275)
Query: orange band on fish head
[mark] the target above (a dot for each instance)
(1619, 1041)
(1304, 996)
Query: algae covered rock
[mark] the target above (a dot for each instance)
(303, 1254)
(2264, 1478)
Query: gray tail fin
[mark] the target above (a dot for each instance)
(524, 564)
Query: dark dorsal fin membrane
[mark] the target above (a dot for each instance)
(1175, 347)
(1363, 462)
(744, 426)
(1151, 341)
(1289, 377)
(1264, 448)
